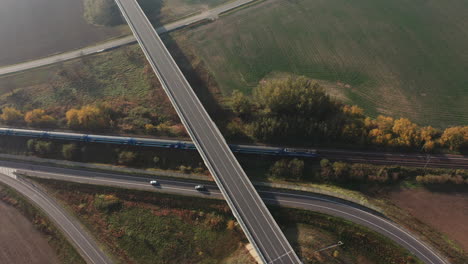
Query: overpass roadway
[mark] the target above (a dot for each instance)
(247, 206)
(209, 14)
(81, 240)
(308, 201)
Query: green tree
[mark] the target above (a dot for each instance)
(326, 171)
(293, 109)
(127, 157)
(279, 169)
(296, 169)
(69, 151)
(43, 148)
(31, 143)
(341, 170)
(156, 160)
(240, 104)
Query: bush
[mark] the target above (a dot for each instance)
(279, 169)
(284, 169)
(296, 168)
(151, 129)
(240, 104)
(127, 157)
(185, 169)
(89, 118)
(38, 118)
(156, 160)
(442, 179)
(107, 203)
(31, 145)
(69, 151)
(43, 148)
(231, 224)
(102, 12)
(10, 115)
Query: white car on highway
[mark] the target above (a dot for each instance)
(200, 187)
(154, 182)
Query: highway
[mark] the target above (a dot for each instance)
(209, 14)
(307, 201)
(81, 240)
(259, 226)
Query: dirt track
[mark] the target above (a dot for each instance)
(20, 242)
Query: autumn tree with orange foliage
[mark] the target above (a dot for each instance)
(428, 138)
(380, 129)
(39, 118)
(10, 115)
(407, 133)
(89, 117)
(455, 138)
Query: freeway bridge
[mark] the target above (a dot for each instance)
(247, 206)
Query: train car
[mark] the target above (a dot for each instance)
(25, 133)
(108, 139)
(258, 150)
(147, 142)
(68, 136)
(184, 145)
(300, 152)
(4, 131)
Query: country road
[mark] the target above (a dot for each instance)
(308, 201)
(209, 14)
(80, 239)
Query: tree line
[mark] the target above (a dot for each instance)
(99, 117)
(297, 110)
(343, 172)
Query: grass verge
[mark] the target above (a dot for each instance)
(133, 222)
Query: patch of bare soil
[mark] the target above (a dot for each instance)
(446, 212)
(20, 242)
(34, 29)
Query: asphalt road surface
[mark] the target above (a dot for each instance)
(209, 14)
(83, 242)
(307, 201)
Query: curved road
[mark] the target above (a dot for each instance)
(81, 240)
(307, 201)
(209, 14)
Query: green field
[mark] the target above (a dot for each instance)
(165, 11)
(401, 58)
